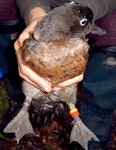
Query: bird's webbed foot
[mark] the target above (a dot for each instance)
(20, 125)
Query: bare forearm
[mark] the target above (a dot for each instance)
(29, 7)
(35, 13)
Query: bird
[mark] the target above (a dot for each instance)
(60, 54)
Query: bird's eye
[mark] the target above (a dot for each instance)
(83, 22)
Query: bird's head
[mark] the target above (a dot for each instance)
(64, 22)
(81, 18)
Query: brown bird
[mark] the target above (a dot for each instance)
(60, 54)
(62, 49)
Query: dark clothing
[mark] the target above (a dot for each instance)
(99, 7)
(11, 25)
(10, 28)
(99, 97)
(8, 60)
(109, 24)
(8, 10)
(99, 84)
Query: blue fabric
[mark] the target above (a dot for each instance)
(1, 73)
(99, 84)
(99, 99)
(8, 63)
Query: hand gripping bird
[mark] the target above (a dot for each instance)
(60, 54)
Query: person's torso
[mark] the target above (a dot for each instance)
(8, 10)
(108, 23)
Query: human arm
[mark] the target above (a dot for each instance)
(34, 15)
(36, 7)
(26, 73)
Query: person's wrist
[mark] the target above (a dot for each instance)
(36, 14)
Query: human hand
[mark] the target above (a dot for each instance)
(24, 71)
(69, 82)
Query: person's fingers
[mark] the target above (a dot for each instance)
(36, 36)
(28, 75)
(24, 71)
(76, 79)
(35, 79)
(69, 82)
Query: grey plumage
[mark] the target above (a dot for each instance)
(64, 22)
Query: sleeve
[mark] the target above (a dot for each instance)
(99, 7)
(26, 5)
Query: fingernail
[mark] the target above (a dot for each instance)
(46, 89)
(57, 89)
(42, 90)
